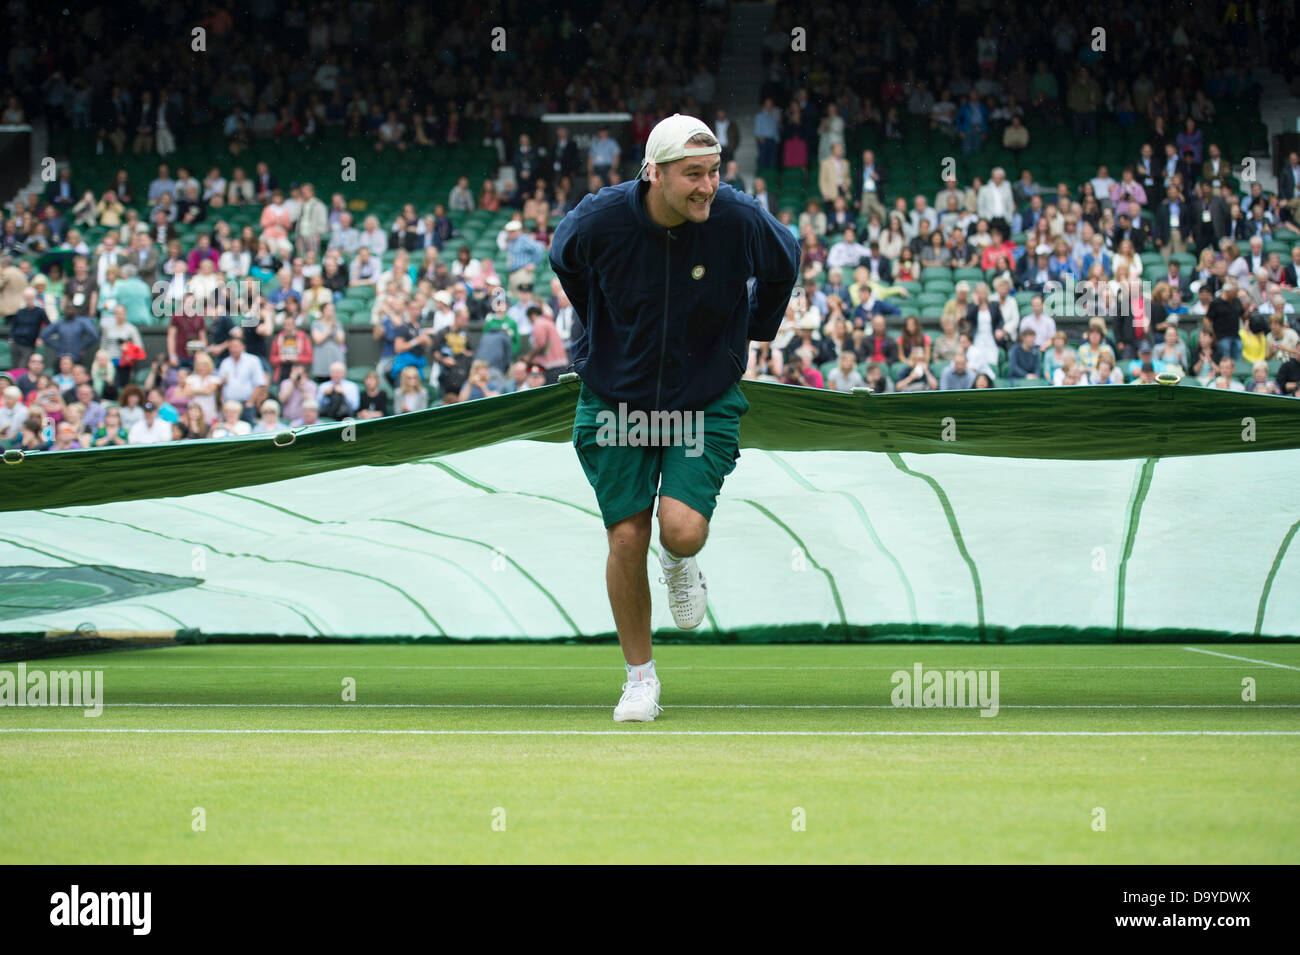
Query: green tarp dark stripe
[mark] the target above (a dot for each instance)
(1081, 424)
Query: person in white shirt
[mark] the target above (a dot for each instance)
(230, 424)
(1101, 184)
(242, 376)
(921, 210)
(847, 252)
(151, 429)
(13, 413)
(214, 188)
(373, 237)
(1009, 307)
(338, 382)
(109, 254)
(1043, 325)
(995, 200)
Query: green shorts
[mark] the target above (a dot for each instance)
(628, 460)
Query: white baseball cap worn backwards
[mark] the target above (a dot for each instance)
(667, 142)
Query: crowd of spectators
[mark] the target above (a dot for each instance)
(965, 76)
(253, 337)
(451, 326)
(396, 74)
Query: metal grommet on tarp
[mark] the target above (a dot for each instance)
(14, 456)
(1169, 379)
(860, 390)
(283, 434)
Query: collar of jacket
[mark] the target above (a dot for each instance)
(635, 198)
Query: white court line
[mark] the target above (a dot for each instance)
(1215, 653)
(651, 732)
(702, 706)
(613, 668)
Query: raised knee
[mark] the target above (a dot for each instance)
(684, 535)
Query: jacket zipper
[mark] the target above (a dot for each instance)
(663, 343)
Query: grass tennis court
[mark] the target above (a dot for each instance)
(441, 738)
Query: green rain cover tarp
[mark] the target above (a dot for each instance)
(1164, 512)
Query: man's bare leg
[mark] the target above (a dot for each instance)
(682, 529)
(629, 585)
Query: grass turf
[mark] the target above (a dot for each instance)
(442, 737)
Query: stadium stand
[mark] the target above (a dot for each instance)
(956, 145)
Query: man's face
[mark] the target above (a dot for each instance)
(689, 186)
(959, 363)
(878, 326)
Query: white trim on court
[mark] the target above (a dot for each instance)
(1229, 656)
(705, 706)
(615, 668)
(651, 732)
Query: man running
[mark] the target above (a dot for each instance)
(657, 270)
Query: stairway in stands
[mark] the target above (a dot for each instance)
(1279, 111)
(741, 77)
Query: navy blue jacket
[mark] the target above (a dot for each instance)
(663, 315)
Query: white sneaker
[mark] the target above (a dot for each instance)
(688, 596)
(639, 702)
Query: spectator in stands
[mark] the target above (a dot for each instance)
(517, 377)
(767, 134)
(972, 124)
(878, 346)
(845, 375)
(13, 412)
(794, 142)
(242, 376)
(1084, 99)
(337, 397)
(411, 395)
(833, 178)
(1260, 383)
(1282, 339)
(1024, 359)
(1225, 315)
(460, 199)
(25, 327)
(603, 155)
(523, 252)
(1224, 378)
(269, 417)
(477, 385)
(984, 319)
(996, 202)
(1095, 346)
(372, 402)
(152, 428)
(918, 377)
(233, 422)
(1190, 140)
